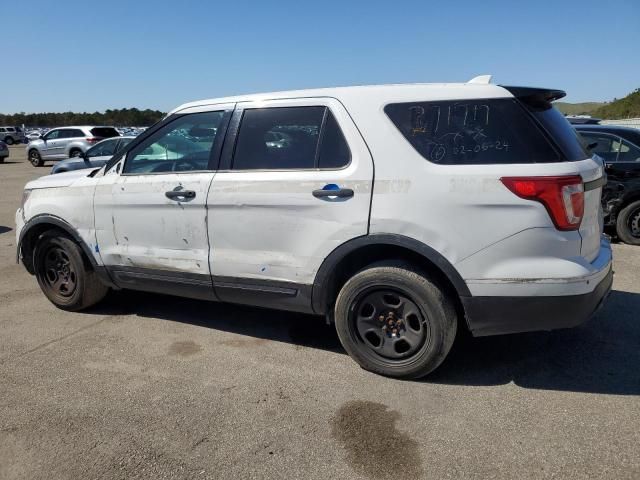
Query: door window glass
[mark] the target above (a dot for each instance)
(103, 149)
(182, 145)
(334, 151)
(53, 135)
(287, 138)
(606, 146)
(629, 152)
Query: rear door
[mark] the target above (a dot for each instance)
(628, 164)
(294, 183)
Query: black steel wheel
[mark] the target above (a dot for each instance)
(63, 274)
(35, 158)
(628, 223)
(59, 272)
(389, 323)
(393, 320)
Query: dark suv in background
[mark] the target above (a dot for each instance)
(620, 149)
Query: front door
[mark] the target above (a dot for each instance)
(53, 143)
(295, 183)
(150, 208)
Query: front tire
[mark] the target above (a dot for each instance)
(9, 141)
(64, 276)
(395, 321)
(628, 224)
(35, 158)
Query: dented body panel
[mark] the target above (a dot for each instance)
(265, 231)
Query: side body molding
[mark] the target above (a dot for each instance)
(322, 285)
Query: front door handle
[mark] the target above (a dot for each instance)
(333, 190)
(180, 195)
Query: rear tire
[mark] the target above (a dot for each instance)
(35, 158)
(63, 275)
(75, 153)
(395, 321)
(628, 223)
(2, 159)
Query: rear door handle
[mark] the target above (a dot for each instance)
(332, 190)
(180, 195)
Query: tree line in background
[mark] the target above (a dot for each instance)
(124, 117)
(627, 107)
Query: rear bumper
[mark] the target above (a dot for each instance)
(500, 315)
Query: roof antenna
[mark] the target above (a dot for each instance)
(481, 80)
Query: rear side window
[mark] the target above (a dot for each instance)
(74, 133)
(287, 138)
(468, 132)
(104, 132)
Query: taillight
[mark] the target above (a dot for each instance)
(563, 197)
(93, 139)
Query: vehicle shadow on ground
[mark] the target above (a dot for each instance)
(288, 327)
(601, 356)
(8, 162)
(4, 229)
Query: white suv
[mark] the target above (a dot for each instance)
(66, 142)
(399, 212)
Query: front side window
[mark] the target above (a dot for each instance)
(287, 138)
(53, 135)
(123, 143)
(182, 145)
(467, 132)
(103, 149)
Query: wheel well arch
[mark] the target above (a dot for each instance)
(630, 197)
(36, 227)
(356, 254)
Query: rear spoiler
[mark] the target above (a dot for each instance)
(532, 95)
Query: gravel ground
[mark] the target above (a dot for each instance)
(145, 386)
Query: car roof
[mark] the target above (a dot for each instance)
(630, 134)
(478, 87)
(83, 126)
(609, 128)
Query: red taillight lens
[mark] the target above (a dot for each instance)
(563, 197)
(93, 139)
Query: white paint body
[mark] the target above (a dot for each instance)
(267, 225)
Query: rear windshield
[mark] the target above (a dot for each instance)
(104, 132)
(468, 132)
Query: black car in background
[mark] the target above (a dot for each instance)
(620, 149)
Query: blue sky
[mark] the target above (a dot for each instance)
(156, 54)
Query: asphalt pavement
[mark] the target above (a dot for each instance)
(148, 386)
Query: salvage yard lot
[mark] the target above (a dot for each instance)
(160, 387)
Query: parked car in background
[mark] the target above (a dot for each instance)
(4, 151)
(619, 147)
(66, 142)
(96, 156)
(34, 135)
(582, 120)
(484, 213)
(11, 135)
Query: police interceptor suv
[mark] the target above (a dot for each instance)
(399, 212)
